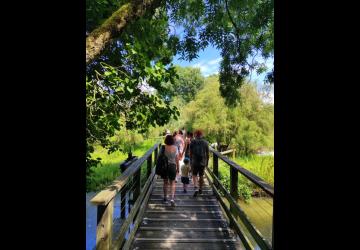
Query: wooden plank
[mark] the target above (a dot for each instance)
(249, 175)
(197, 212)
(188, 208)
(183, 220)
(182, 228)
(188, 240)
(187, 202)
(195, 205)
(105, 196)
(255, 233)
(104, 226)
(185, 198)
(139, 245)
(185, 234)
(189, 223)
(183, 215)
(180, 193)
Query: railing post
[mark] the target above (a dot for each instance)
(216, 165)
(104, 226)
(137, 180)
(149, 163)
(123, 202)
(234, 188)
(156, 153)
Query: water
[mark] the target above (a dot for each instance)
(260, 212)
(90, 222)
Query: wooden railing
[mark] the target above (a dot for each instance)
(232, 195)
(128, 183)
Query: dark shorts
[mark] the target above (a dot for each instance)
(185, 180)
(198, 169)
(170, 173)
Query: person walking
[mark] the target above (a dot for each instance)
(199, 155)
(172, 154)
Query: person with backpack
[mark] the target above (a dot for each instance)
(199, 155)
(167, 166)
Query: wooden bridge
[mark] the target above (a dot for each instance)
(212, 220)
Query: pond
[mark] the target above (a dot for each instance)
(260, 212)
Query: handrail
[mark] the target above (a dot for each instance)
(105, 201)
(235, 210)
(249, 175)
(105, 196)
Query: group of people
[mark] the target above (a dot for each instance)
(188, 155)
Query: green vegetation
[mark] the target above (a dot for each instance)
(129, 49)
(109, 168)
(262, 166)
(247, 127)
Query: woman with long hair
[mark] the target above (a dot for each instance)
(171, 152)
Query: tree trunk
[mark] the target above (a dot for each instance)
(114, 25)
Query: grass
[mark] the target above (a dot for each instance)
(109, 169)
(262, 166)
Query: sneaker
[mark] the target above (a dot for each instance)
(172, 203)
(196, 193)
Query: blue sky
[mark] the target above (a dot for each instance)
(209, 61)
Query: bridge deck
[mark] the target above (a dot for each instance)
(195, 223)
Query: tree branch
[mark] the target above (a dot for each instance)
(99, 38)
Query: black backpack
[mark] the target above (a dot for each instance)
(161, 163)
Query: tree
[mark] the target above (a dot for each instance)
(130, 49)
(248, 127)
(187, 84)
(241, 29)
(100, 37)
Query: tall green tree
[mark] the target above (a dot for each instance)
(248, 126)
(187, 84)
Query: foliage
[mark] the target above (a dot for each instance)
(189, 82)
(129, 86)
(108, 169)
(124, 88)
(247, 127)
(262, 166)
(241, 29)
